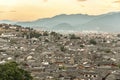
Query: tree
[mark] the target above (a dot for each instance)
(53, 33)
(118, 35)
(92, 41)
(11, 71)
(73, 36)
(45, 33)
(62, 48)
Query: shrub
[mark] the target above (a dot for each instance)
(92, 41)
(11, 71)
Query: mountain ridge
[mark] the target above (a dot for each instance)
(75, 22)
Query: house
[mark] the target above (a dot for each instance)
(89, 75)
(7, 35)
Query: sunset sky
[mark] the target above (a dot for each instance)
(27, 10)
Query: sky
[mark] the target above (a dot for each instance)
(29, 10)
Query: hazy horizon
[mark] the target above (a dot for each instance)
(55, 16)
(29, 10)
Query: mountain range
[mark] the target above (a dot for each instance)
(109, 22)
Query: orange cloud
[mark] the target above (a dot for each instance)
(45, 0)
(81, 0)
(118, 1)
(7, 11)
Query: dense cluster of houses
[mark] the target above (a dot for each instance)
(55, 56)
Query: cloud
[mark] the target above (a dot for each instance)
(81, 0)
(12, 11)
(117, 1)
(45, 0)
(7, 11)
(1, 11)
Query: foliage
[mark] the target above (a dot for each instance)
(118, 66)
(92, 41)
(62, 48)
(107, 50)
(46, 40)
(12, 41)
(53, 33)
(45, 33)
(32, 34)
(73, 36)
(118, 35)
(82, 46)
(35, 34)
(11, 71)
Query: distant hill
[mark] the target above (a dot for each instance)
(108, 23)
(76, 22)
(49, 23)
(8, 22)
(63, 26)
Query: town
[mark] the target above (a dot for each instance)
(55, 56)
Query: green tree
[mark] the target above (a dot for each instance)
(62, 48)
(92, 41)
(118, 35)
(11, 71)
(73, 36)
(53, 33)
(45, 33)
